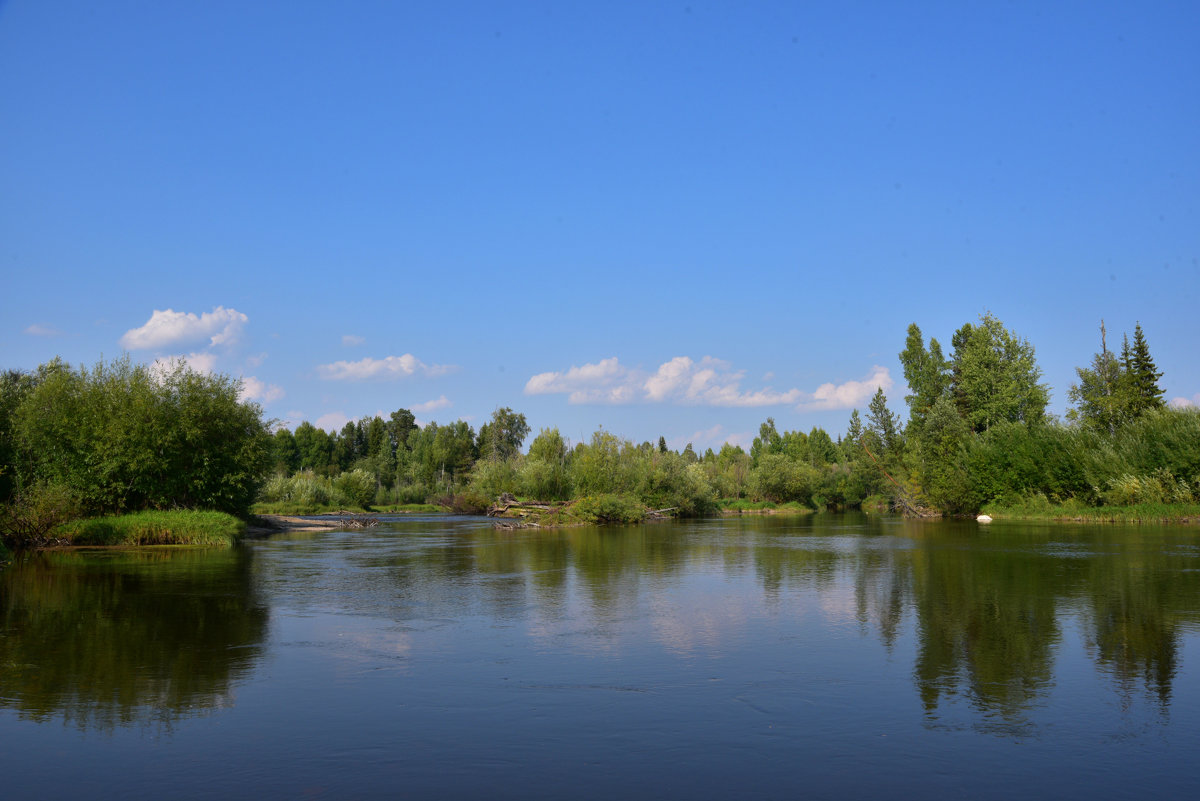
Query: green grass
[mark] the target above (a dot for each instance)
(408, 508)
(183, 527)
(1075, 512)
(289, 508)
(743, 506)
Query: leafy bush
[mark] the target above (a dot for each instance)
(27, 522)
(466, 502)
(122, 436)
(355, 488)
(609, 508)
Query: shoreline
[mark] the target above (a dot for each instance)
(265, 525)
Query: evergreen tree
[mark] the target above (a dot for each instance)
(883, 423)
(851, 445)
(1116, 390)
(1143, 375)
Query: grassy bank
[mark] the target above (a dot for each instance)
(291, 508)
(741, 506)
(154, 528)
(1078, 513)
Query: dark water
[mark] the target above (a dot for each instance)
(824, 657)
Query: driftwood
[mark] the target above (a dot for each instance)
(505, 504)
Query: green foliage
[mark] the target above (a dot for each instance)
(1160, 487)
(609, 508)
(729, 472)
(14, 386)
(123, 436)
(675, 482)
(33, 512)
(606, 465)
(466, 502)
(883, 424)
(938, 466)
(501, 437)
(927, 373)
(493, 477)
(995, 377)
(182, 527)
(777, 478)
(356, 488)
(1113, 391)
(1143, 375)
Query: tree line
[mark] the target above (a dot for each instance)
(123, 437)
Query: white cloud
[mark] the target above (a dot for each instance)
(350, 340)
(429, 406)
(203, 363)
(849, 395)
(708, 382)
(390, 367)
(332, 421)
(38, 330)
(222, 326)
(256, 390)
(607, 381)
(1184, 403)
(255, 361)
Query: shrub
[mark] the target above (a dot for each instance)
(34, 512)
(608, 508)
(355, 488)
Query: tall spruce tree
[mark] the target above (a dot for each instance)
(1143, 375)
(884, 424)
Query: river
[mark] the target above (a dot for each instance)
(828, 656)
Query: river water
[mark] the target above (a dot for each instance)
(830, 656)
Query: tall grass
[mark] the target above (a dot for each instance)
(184, 527)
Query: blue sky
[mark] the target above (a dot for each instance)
(668, 219)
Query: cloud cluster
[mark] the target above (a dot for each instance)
(1183, 403)
(39, 330)
(684, 381)
(851, 393)
(390, 367)
(431, 406)
(256, 390)
(220, 326)
(604, 382)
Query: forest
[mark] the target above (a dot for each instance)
(122, 437)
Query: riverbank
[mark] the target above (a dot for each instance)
(742, 506)
(1175, 513)
(289, 509)
(266, 525)
(175, 527)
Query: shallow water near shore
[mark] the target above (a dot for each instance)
(824, 656)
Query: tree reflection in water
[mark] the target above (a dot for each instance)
(122, 638)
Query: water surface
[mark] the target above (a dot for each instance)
(831, 656)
